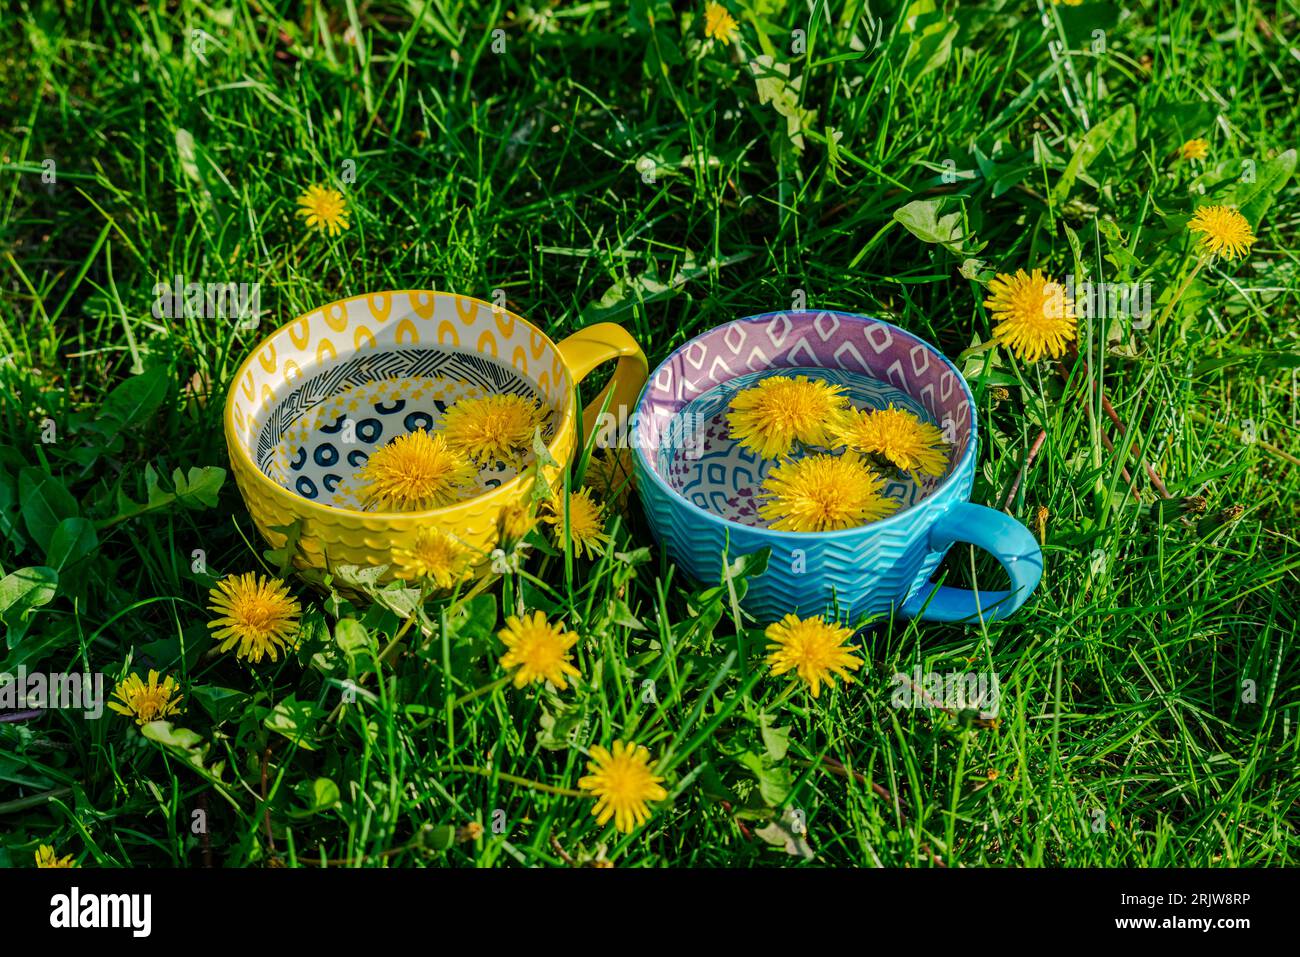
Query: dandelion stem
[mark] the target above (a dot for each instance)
(976, 350)
(488, 688)
(1200, 261)
(1237, 434)
(513, 779)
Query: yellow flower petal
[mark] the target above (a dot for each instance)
(898, 435)
(495, 427)
(623, 784)
(415, 472)
(719, 24)
(538, 650)
(586, 522)
(769, 417)
(823, 493)
(257, 615)
(146, 701)
(1223, 231)
(815, 650)
(434, 555)
(324, 209)
(1034, 318)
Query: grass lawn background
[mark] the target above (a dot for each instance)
(604, 162)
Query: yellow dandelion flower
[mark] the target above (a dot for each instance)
(324, 209)
(45, 857)
(414, 472)
(514, 522)
(611, 475)
(434, 555)
(769, 417)
(719, 24)
(1196, 149)
(586, 522)
(623, 784)
(539, 650)
(1034, 316)
(814, 649)
(1223, 230)
(822, 493)
(493, 427)
(898, 435)
(257, 614)
(147, 702)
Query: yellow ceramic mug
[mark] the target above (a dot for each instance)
(319, 394)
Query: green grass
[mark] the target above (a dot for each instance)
(1150, 688)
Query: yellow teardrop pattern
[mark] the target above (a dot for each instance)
(447, 335)
(325, 352)
(487, 343)
(423, 304)
(505, 322)
(300, 332)
(407, 332)
(381, 306)
(336, 316)
(268, 361)
(467, 309)
(363, 335)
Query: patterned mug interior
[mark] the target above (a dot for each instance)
(682, 422)
(324, 408)
(713, 471)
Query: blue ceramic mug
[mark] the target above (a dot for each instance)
(698, 486)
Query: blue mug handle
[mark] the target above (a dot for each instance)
(998, 534)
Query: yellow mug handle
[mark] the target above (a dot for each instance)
(588, 348)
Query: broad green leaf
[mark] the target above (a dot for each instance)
(750, 565)
(475, 618)
(282, 557)
(296, 720)
(73, 540)
(187, 745)
(351, 636)
(1253, 198)
(773, 779)
(221, 704)
(320, 794)
(789, 833)
(1120, 127)
(45, 502)
(20, 592)
(775, 740)
(936, 220)
(164, 732)
(133, 402)
(200, 486)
